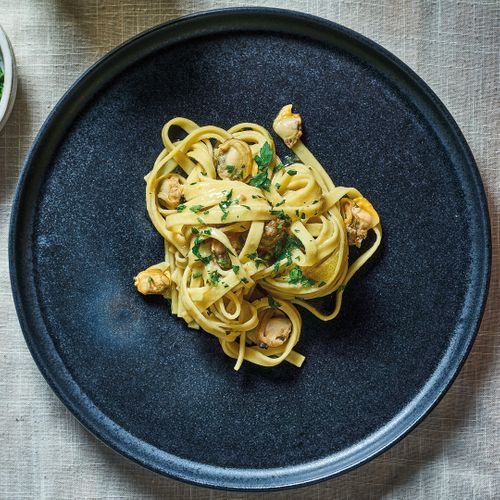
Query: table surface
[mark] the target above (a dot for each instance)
(454, 46)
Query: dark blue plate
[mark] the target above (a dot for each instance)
(167, 397)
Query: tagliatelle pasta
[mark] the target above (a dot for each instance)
(247, 238)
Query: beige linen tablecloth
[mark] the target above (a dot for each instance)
(454, 454)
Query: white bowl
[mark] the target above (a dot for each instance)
(10, 78)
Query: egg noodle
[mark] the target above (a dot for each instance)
(247, 242)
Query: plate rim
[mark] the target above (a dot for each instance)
(189, 471)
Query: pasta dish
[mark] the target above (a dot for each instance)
(248, 237)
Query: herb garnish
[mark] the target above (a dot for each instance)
(214, 277)
(285, 247)
(272, 302)
(196, 251)
(196, 208)
(281, 215)
(197, 274)
(236, 269)
(295, 277)
(291, 172)
(181, 208)
(263, 159)
(224, 205)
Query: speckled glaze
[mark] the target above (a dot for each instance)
(166, 396)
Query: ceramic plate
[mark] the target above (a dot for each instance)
(166, 396)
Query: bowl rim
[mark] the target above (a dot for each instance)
(10, 78)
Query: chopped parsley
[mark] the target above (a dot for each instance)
(281, 215)
(278, 167)
(272, 302)
(205, 259)
(197, 274)
(181, 208)
(230, 168)
(296, 277)
(236, 269)
(224, 205)
(214, 277)
(285, 247)
(244, 280)
(200, 220)
(282, 202)
(291, 172)
(263, 159)
(323, 283)
(246, 206)
(196, 208)
(195, 230)
(224, 263)
(255, 257)
(150, 280)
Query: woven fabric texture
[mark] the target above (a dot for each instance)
(454, 454)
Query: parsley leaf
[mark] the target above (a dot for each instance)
(224, 205)
(265, 155)
(295, 277)
(263, 159)
(196, 251)
(181, 208)
(261, 180)
(196, 274)
(281, 215)
(272, 302)
(236, 269)
(291, 172)
(284, 248)
(214, 277)
(196, 208)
